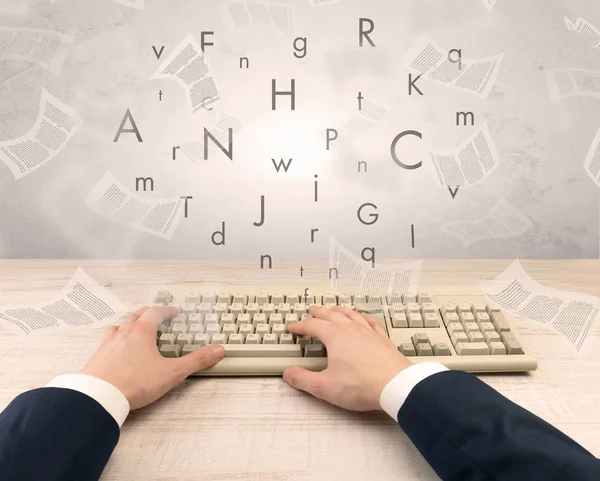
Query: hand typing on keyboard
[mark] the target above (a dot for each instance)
(362, 359)
(128, 358)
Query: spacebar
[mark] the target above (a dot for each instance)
(263, 350)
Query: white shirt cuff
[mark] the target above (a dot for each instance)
(397, 390)
(109, 397)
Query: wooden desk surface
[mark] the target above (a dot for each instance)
(261, 429)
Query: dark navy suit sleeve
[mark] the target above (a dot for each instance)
(55, 434)
(469, 432)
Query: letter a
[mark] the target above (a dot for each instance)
(123, 130)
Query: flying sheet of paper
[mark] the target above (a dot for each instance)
(567, 83)
(474, 76)
(112, 200)
(244, 14)
(81, 303)
(56, 123)
(187, 66)
(354, 275)
(586, 30)
(489, 4)
(138, 4)
(47, 48)
(501, 222)
(224, 132)
(592, 160)
(469, 163)
(571, 314)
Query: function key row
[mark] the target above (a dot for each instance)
(165, 297)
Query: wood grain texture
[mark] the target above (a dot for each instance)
(261, 429)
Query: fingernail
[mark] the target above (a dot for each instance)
(285, 375)
(216, 349)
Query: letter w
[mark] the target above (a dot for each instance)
(281, 163)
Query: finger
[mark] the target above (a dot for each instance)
(134, 316)
(352, 315)
(304, 380)
(109, 332)
(157, 315)
(199, 359)
(376, 326)
(328, 314)
(312, 327)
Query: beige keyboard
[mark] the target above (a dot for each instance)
(456, 327)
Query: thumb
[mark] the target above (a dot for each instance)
(200, 359)
(304, 380)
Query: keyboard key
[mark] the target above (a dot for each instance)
(170, 350)
(163, 328)
(423, 297)
(299, 308)
(286, 339)
(262, 350)
(399, 320)
(424, 349)
(189, 308)
(276, 298)
(230, 329)
(262, 298)
(205, 308)
(268, 309)
(406, 298)
(499, 321)
(475, 336)
(224, 298)
(497, 348)
(356, 299)
(236, 339)
(415, 320)
(430, 320)
(213, 329)
(487, 327)
(478, 307)
(269, 339)
(260, 319)
(262, 329)
(193, 298)
(345, 299)
(190, 348)
(291, 298)
(471, 327)
(412, 307)
(180, 329)
(246, 329)
(195, 319)
(209, 298)
(398, 307)
(330, 298)
(184, 339)
(472, 348)
(289, 318)
(407, 349)
(441, 349)
(163, 297)
(218, 339)
(463, 307)
(236, 308)
(283, 309)
(482, 317)
(428, 307)
(227, 318)
(314, 350)
(201, 339)
(303, 340)
(420, 337)
(239, 298)
(466, 316)
(455, 327)
(450, 317)
(278, 330)
(448, 307)
(251, 309)
(252, 339)
(211, 319)
(510, 342)
(180, 319)
(394, 299)
(221, 309)
(458, 337)
(166, 339)
(491, 336)
(244, 318)
(276, 318)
